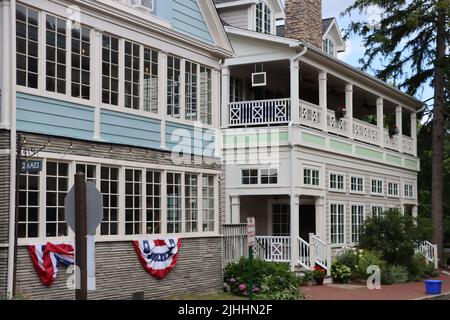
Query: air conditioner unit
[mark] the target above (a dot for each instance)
(259, 79)
(146, 5)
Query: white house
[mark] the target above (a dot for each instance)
(307, 170)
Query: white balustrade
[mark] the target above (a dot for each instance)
(310, 115)
(234, 242)
(390, 142)
(277, 249)
(262, 112)
(408, 145)
(339, 127)
(429, 250)
(320, 252)
(365, 132)
(304, 253)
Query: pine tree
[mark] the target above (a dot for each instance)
(412, 39)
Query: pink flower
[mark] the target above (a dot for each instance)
(242, 287)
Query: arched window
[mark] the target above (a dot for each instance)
(328, 47)
(263, 18)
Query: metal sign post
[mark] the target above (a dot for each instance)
(251, 241)
(80, 236)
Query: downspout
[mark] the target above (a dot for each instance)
(292, 170)
(13, 148)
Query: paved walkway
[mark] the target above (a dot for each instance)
(406, 291)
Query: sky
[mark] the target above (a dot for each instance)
(355, 50)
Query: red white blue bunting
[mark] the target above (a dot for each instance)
(158, 257)
(46, 259)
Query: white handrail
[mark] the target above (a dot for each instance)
(259, 112)
(276, 248)
(320, 252)
(429, 250)
(304, 253)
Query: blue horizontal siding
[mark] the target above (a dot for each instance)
(185, 16)
(190, 139)
(54, 117)
(122, 128)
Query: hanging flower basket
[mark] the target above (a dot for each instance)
(393, 131)
(340, 113)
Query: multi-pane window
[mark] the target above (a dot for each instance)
(337, 182)
(55, 54)
(173, 86)
(377, 186)
(236, 89)
(269, 176)
(250, 176)
(311, 177)
(208, 202)
(27, 31)
(357, 184)
(191, 76)
(205, 95)
(81, 62)
(133, 201)
(377, 211)
(57, 187)
(28, 206)
(409, 190)
(109, 187)
(191, 202)
(281, 220)
(150, 80)
(263, 18)
(132, 75)
(153, 202)
(337, 223)
(89, 171)
(393, 189)
(357, 222)
(328, 47)
(174, 198)
(110, 70)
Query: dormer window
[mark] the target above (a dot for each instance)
(263, 18)
(329, 47)
(146, 5)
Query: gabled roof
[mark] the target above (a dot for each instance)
(330, 27)
(276, 5)
(326, 23)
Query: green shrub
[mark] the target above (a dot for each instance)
(394, 274)
(394, 235)
(341, 273)
(271, 280)
(358, 260)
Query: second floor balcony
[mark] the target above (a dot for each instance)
(321, 102)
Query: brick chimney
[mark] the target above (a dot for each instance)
(304, 21)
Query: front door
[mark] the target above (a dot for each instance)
(281, 218)
(307, 221)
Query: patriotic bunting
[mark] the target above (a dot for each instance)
(46, 259)
(158, 257)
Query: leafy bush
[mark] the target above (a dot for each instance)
(341, 273)
(394, 274)
(394, 235)
(271, 280)
(358, 260)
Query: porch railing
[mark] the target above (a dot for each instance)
(310, 115)
(277, 249)
(322, 252)
(365, 132)
(337, 126)
(304, 253)
(234, 242)
(429, 250)
(262, 112)
(408, 145)
(391, 143)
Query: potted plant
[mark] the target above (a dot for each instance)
(340, 113)
(319, 274)
(393, 131)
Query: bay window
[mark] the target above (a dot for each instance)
(55, 54)
(208, 203)
(191, 90)
(110, 70)
(173, 86)
(150, 80)
(133, 201)
(205, 95)
(132, 75)
(191, 202)
(153, 202)
(174, 209)
(81, 73)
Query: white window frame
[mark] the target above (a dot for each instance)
(329, 44)
(337, 204)
(377, 207)
(269, 174)
(191, 211)
(393, 186)
(357, 184)
(377, 192)
(265, 23)
(206, 199)
(337, 175)
(410, 193)
(354, 237)
(249, 176)
(110, 77)
(311, 177)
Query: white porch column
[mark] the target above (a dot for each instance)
(235, 209)
(295, 95)
(323, 102)
(414, 132)
(349, 108)
(399, 124)
(225, 95)
(295, 232)
(321, 226)
(5, 64)
(380, 121)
